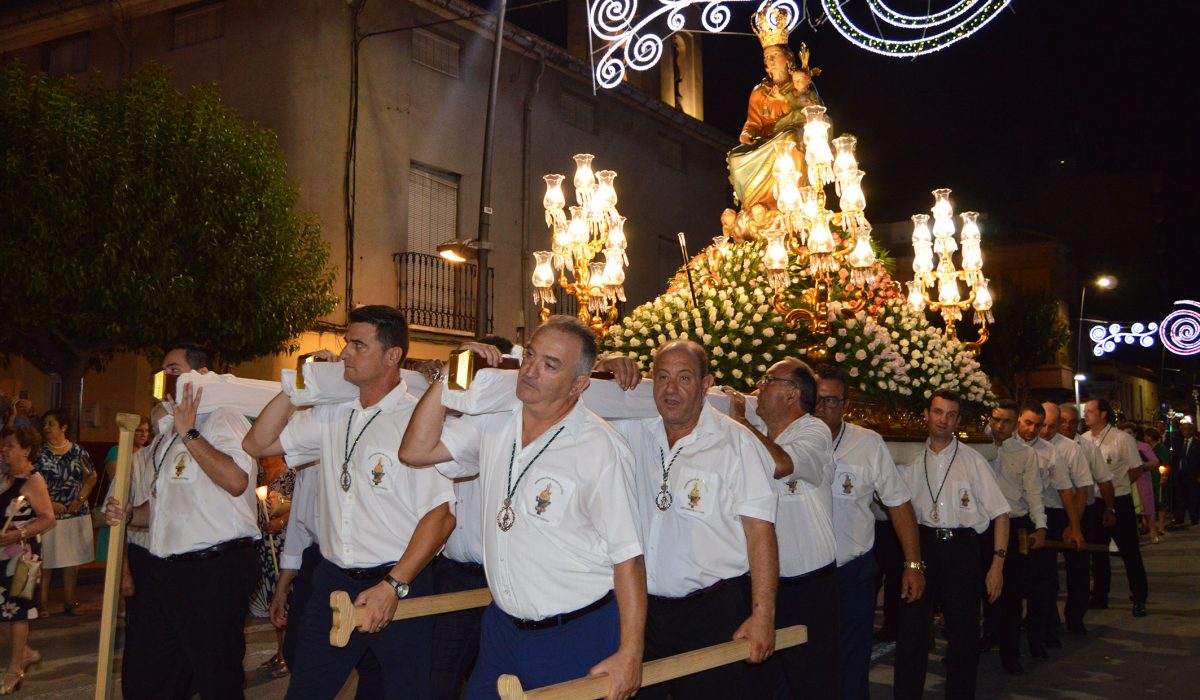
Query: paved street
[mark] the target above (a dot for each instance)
(1121, 656)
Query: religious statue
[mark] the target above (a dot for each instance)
(774, 114)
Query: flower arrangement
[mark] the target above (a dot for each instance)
(890, 352)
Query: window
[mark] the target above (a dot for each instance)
(432, 208)
(198, 23)
(670, 151)
(70, 55)
(578, 111)
(433, 51)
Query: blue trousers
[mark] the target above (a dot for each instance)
(856, 620)
(541, 657)
(456, 634)
(402, 648)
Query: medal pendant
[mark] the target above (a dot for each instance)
(154, 489)
(345, 480)
(663, 498)
(933, 515)
(505, 518)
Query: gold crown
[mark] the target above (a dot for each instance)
(771, 26)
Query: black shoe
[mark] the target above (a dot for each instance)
(1038, 651)
(1013, 667)
(1053, 644)
(1098, 604)
(1076, 628)
(1139, 610)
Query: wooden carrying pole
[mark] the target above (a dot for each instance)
(347, 617)
(127, 423)
(1024, 546)
(653, 672)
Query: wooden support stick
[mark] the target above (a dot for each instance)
(347, 617)
(127, 423)
(1023, 545)
(653, 672)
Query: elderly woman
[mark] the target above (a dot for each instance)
(69, 476)
(25, 507)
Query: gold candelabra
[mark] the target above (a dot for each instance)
(945, 276)
(594, 226)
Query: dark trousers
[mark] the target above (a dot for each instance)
(539, 658)
(1185, 496)
(856, 618)
(194, 639)
(1125, 534)
(1041, 567)
(1078, 577)
(1002, 619)
(674, 626)
(402, 649)
(136, 620)
(812, 600)
(889, 556)
(455, 635)
(298, 599)
(952, 583)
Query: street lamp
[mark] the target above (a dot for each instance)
(1101, 282)
(1078, 403)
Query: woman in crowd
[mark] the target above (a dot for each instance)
(1144, 485)
(25, 506)
(69, 476)
(1162, 484)
(272, 522)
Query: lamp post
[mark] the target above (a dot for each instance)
(485, 185)
(1101, 282)
(1078, 403)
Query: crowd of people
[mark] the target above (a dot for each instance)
(604, 542)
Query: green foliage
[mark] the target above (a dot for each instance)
(133, 217)
(1034, 331)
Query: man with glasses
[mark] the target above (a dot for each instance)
(863, 473)
(955, 497)
(802, 453)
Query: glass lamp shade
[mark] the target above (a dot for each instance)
(923, 258)
(947, 290)
(820, 239)
(921, 233)
(970, 226)
(810, 204)
(862, 255)
(616, 235)
(787, 194)
(543, 273)
(817, 154)
(596, 277)
(941, 203)
(577, 230)
(554, 198)
(606, 195)
(722, 244)
(916, 298)
(844, 160)
(983, 296)
(776, 256)
(785, 160)
(614, 273)
(585, 179)
(853, 198)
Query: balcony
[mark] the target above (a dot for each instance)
(439, 295)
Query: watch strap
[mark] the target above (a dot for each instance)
(399, 587)
(190, 435)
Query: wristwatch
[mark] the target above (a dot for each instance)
(399, 587)
(915, 565)
(190, 435)
(1000, 552)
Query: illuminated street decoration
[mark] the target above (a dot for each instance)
(628, 41)
(1179, 332)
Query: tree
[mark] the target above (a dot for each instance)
(132, 217)
(1030, 331)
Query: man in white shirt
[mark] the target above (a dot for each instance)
(559, 520)
(863, 471)
(1120, 453)
(708, 510)
(1098, 501)
(955, 497)
(378, 523)
(800, 445)
(1018, 474)
(200, 509)
(1064, 517)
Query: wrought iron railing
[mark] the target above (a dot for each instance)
(439, 294)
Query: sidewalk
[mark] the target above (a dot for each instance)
(1121, 657)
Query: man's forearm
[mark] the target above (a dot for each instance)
(1108, 494)
(763, 550)
(904, 522)
(219, 467)
(419, 447)
(1068, 501)
(427, 540)
(268, 426)
(629, 583)
(1000, 537)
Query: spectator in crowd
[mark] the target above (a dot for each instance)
(1159, 478)
(69, 476)
(25, 507)
(1145, 483)
(280, 482)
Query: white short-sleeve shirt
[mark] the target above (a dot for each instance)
(369, 524)
(465, 544)
(1055, 473)
(188, 511)
(1073, 456)
(863, 468)
(1120, 454)
(575, 512)
(1018, 472)
(302, 518)
(960, 481)
(719, 473)
(1100, 470)
(804, 522)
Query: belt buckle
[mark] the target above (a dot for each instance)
(945, 534)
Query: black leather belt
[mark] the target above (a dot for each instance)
(557, 620)
(946, 534)
(698, 593)
(367, 574)
(210, 552)
(468, 566)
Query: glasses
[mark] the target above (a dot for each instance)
(830, 401)
(768, 379)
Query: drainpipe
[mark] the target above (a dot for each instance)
(526, 179)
